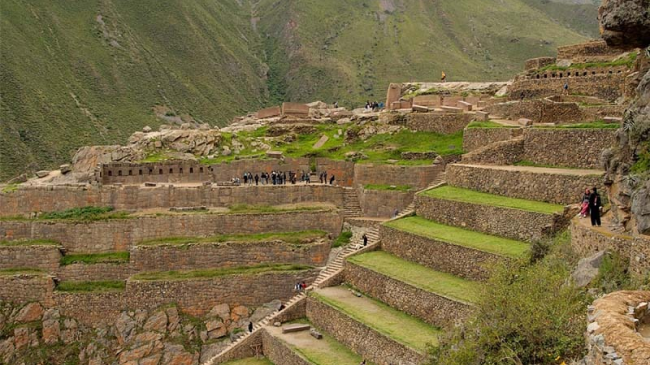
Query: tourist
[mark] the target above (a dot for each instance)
(324, 177)
(365, 240)
(381, 105)
(257, 179)
(245, 178)
(297, 287)
(566, 89)
(281, 307)
(284, 178)
(332, 180)
(363, 362)
(250, 326)
(595, 205)
(395, 213)
(584, 209)
(443, 77)
(336, 104)
(303, 286)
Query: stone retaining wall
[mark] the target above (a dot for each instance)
(438, 255)
(567, 147)
(279, 352)
(590, 51)
(95, 272)
(475, 138)
(547, 111)
(92, 309)
(431, 308)
(505, 222)
(587, 241)
(498, 153)
(548, 187)
(227, 254)
(438, 122)
(121, 234)
(167, 172)
(605, 86)
(418, 177)
(44, 258)
(360, 338)
(24, 288)
(382, 203)
(26, 200)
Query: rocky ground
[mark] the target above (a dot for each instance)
(34, 335)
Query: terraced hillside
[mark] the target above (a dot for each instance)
(91, 72)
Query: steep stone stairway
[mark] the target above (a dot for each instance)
(351, 206)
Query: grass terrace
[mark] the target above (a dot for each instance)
(343, 239)
(387, 187)
(474, 197)
(89, 213)
(625, 61)
(38, 242)
(461, 237)
(535, 164)
(489, 124)
(394, 324)
(20, 271)
(213, 273)
(250, 361)
(599, 124)
(121, 257)
(289, 237)
(91, 286)
(419, 276)
(263, 208)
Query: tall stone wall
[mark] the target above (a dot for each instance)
(24, 288)
(418, 177)
(121, 234)
(227, 254)
(595, 50)
(44, 258)
(383, 203)
(475, 138)
(94, 272)
(167, 172)
(442, 123)
(506, 152)
(56, 198)
(278, 352)
(438, 255)
(580, 148)
(605, 86)
(343, 171)
(512, 223)
(92, 309)
(587, 241)
(547, 111)
(542, 186)
(360, 338)
(431, 308)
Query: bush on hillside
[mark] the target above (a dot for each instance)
(528, 313)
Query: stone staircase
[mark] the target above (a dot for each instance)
(351, 206)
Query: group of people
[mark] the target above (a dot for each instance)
(591, 205)
(374, 106)
(300, 286)
(280, 178)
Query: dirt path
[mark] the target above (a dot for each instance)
(539, 170)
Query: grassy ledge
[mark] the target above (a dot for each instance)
(394, 324)
(343, 239)
(419, 276)
(461, 237)
(120, 257)
(388, 187)
(489, 124)
(471, 196)
(298, 237)
(21, 271)
(252, 209)
(91, 286)
(39, 242)
(250, 361)
(213, 273)
(599, 124)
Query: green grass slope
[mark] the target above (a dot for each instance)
(351, 50)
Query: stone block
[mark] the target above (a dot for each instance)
(296, 327)
(482, 116)
(419, 108)
(616, 120)
(465, 106)
(321, 142)
(451, 109)
(65, 169)
(150, 184)
(393, 94)
(524, 122)
(315, 334)
(295, 109)
(42, 173)
(274, 154)
(273, 111)
(427, 100)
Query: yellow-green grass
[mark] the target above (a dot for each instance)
(88, 213)
(91, 286)
(598, 124)
(343, 239)
(250, 361)
(20, 270)
(387, 187)
(36, 242)
(289, 237)
(213, 273)
(386, 320)
(475, 197)
(419, 276)
(329, 351)
(263, 208)
(461, 237)
(119, 257)
(489, 124)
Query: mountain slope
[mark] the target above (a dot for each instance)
(91, 72)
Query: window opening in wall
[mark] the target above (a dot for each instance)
(180, 171)
(140, 172)
(150, 171)
(171, 171)
(159, 171)
(110, 173)
(201, 169)
(191, 170)
(545, 76)
(119, 173)
(130, 172)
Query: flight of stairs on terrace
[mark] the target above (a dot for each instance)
(351, 205)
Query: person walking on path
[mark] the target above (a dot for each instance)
(250, 326)
(365, 240)
(443, 76)
(332, 180)
(584, 208)
(566, 89)
(595, 205)
(257, 179)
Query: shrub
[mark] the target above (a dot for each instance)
(343, 239)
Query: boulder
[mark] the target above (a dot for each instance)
(176, 355)
(295, 327)
(563, 63)
(274, 154)
(641, 209)
(65, 168)
(146, 129)
(51, 331)
(157, 322)
(524, 122)
(29, 313)
(587, 269)
(42, 173)
(315, 334)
